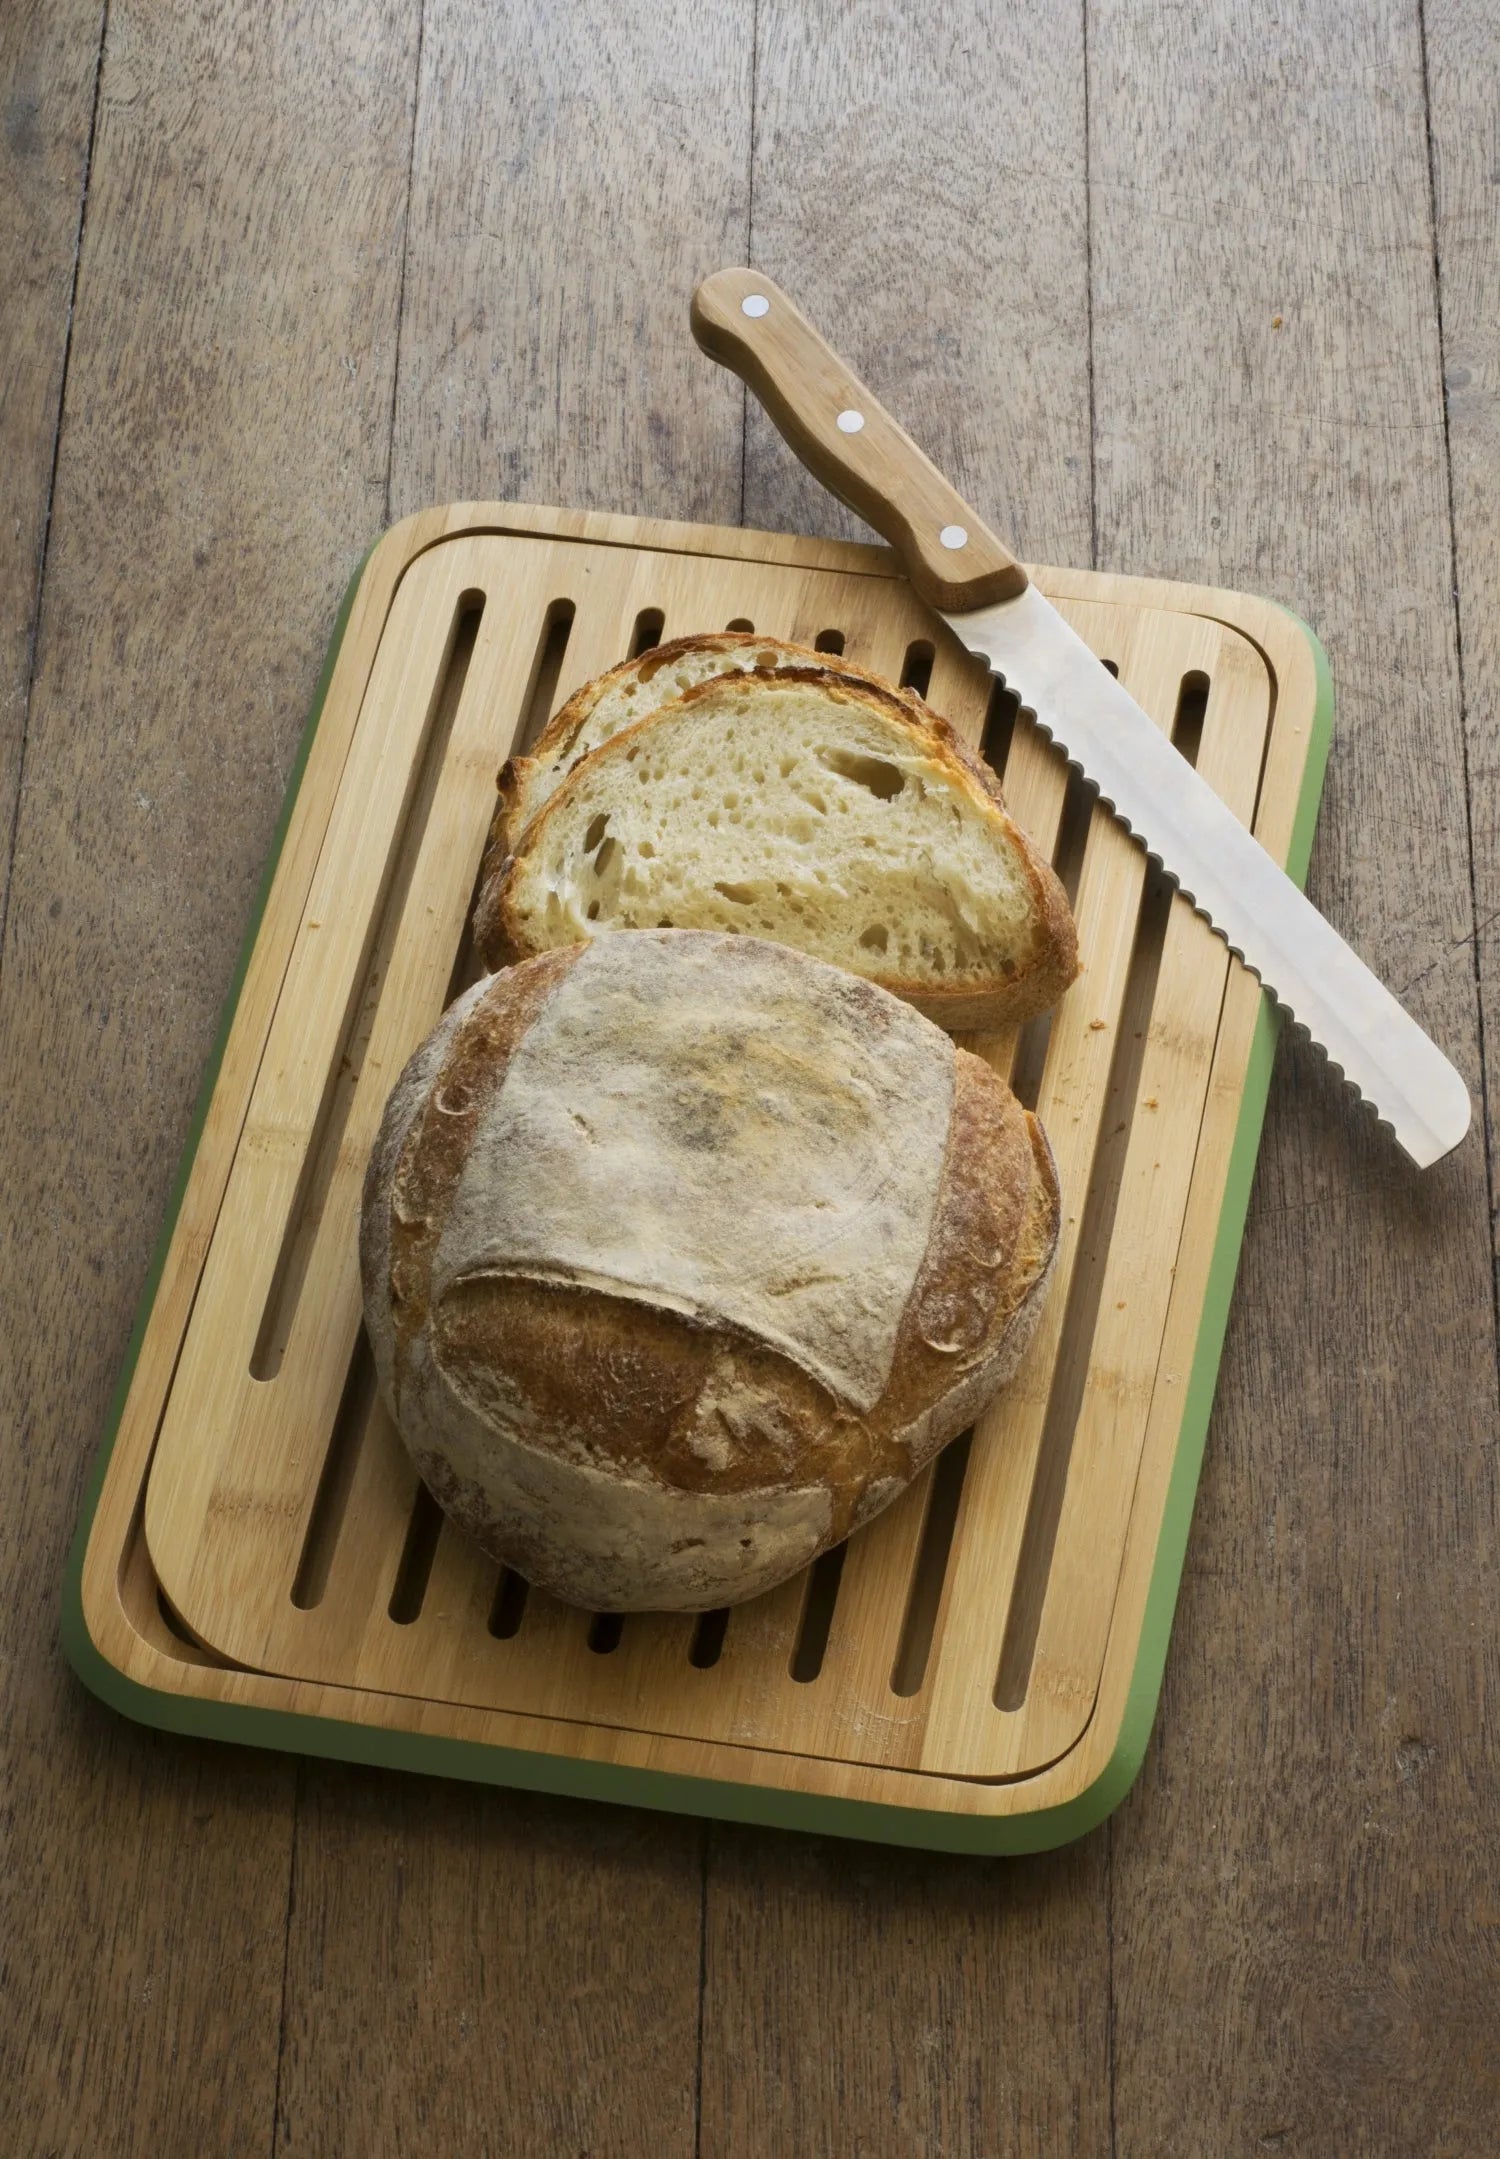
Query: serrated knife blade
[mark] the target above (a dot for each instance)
(961, 569)
(1222, 869)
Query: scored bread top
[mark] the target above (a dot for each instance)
(625, 694)
(666, 1073)
(818, 811)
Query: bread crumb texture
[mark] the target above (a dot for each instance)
(834, 816)
(631, 692)
(763, 802)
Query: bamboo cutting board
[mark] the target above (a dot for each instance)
(977, 1668)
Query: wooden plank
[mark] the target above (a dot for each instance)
(221, 466)
(501, 1969)
(575, 172)
(1300, 1961)
(49, 62)
(1462, 44)
(919, 191)
(897, 2002)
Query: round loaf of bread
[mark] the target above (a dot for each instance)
(683, 1253)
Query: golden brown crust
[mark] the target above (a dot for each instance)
(502, 937)
(563, 729)
(654, 1398)
(1057, 964)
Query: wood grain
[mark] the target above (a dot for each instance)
(575, 172)
(235, 291)
(892, 2005)
(919, 190)
(1302, 1946)
(919, 187)
(1462, 50)
(487, 1972)
(49, 61)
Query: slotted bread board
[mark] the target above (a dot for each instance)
(978, 1668)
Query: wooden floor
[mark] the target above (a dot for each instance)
(1212, 293)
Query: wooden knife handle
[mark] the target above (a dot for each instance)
(851, 443)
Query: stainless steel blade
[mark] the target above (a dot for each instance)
(1226, 874)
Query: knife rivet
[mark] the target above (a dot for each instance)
(850, 423)
(954, 536)
(755, 303)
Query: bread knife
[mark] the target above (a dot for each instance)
(960, 568)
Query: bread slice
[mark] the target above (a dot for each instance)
(630, 692)
(819, 812)
(682, 1255)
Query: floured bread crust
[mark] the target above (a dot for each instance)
(673, 1390)
(670, 1074)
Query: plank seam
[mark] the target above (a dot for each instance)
(1455, 610)
(1088, 297)
(703, 1845)
(390, 462)
(286, 1951)
(749, 242)
(33, 639)
(411, 177)
(1111, 2000)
